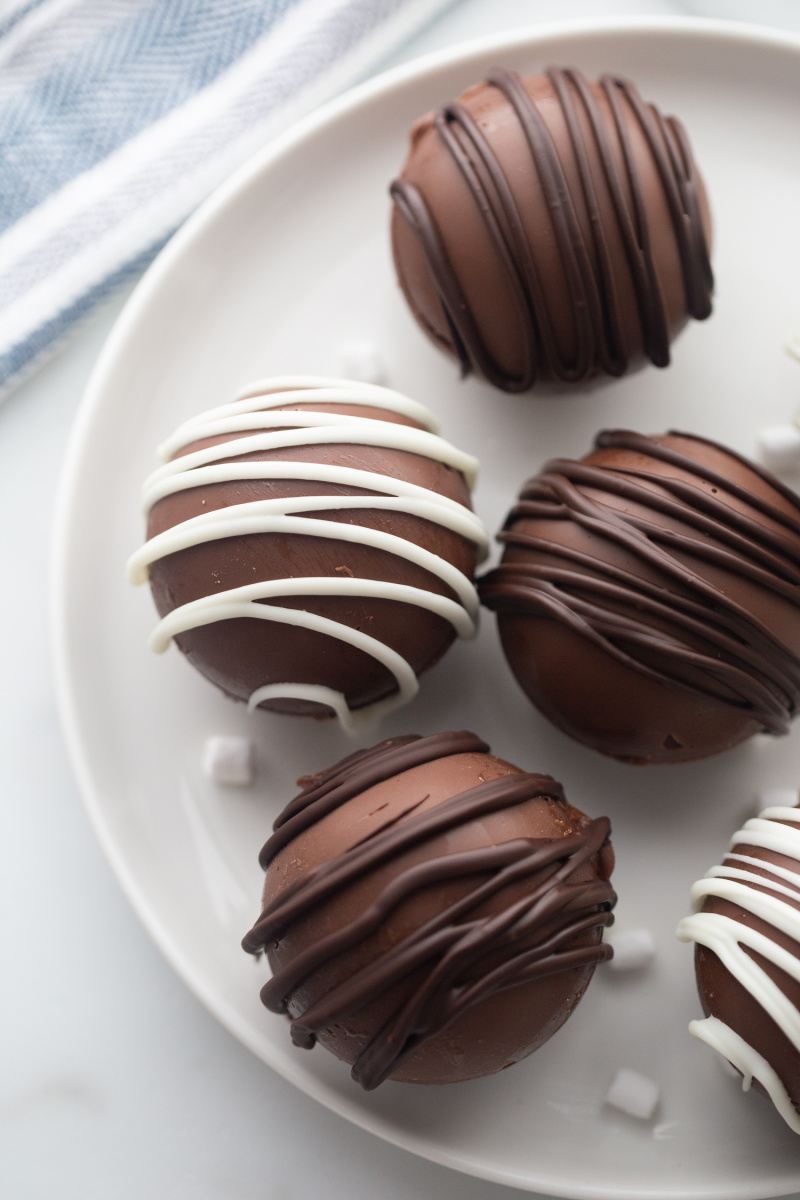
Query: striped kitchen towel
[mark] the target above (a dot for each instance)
(117, 117)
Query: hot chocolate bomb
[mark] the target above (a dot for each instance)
(551, 229)
(648, 598)
(746, 929)
(432, 914)
(311, 546)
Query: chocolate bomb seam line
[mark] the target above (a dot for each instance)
(281, 516)
(590, 279)
(449, 988)
(771, 689)
(725, 937)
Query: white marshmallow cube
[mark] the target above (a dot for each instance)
(228, 760)
(633, 949)
(793, 345)
(362, 362)
(779, 798)
(779, 447)
(633, 1094)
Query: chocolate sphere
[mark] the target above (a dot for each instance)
(311, 546)
(551, 229)
(432, 914)
(648, 599)
(746, 926)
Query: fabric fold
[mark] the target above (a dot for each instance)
(117, 118)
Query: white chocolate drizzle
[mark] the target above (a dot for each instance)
(252, 426)
(736, 881)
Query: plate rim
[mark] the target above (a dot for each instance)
(211, 210)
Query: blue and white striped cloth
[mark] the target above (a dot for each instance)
(117, 117)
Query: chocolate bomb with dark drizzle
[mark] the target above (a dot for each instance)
(551, 229)
(648, 599)
(432, 913)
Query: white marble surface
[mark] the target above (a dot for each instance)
(115, 1082)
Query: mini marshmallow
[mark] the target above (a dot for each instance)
(793, 345)
(779, 798)
(633, 949)
(228, 760)
(779, 447)
(361, 361)
(633, 1094)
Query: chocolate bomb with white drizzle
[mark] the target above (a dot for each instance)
(550, 229)
(311, 546)
(432, 913)
(648, 598)
(745, 924)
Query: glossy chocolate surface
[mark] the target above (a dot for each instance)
(648, 599)
(745, 923)
(723, 996)
(432, 914)
(241, 655)
(551, 229)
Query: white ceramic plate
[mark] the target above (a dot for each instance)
(281, 268)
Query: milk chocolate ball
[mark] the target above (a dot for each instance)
(746, 928)
(431, 913)
(551, 229)
(311, 546)
(648, 599)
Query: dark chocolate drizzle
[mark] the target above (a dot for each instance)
(682, 630)
(585, 259)
(466, 957)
